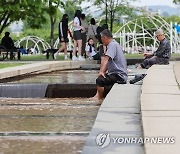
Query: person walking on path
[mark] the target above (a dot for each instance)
(92, 33)
(113, 65)
(161, 55)
(77, 36)
(63, 36)
(84, 34)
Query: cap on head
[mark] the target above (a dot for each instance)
(159, 32)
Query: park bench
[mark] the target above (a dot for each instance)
(11, 52)
(53, 51)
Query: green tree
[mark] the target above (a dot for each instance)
(14, 10)
(173, 19)
(176, 1)
(113, 8)
(52, 9)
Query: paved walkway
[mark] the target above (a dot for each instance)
(119, 115)
(160, 105)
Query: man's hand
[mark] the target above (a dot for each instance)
(147, 54)
(101, 74)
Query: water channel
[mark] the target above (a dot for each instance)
(47, 125)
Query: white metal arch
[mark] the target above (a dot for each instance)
(36, 43)
(136, 33)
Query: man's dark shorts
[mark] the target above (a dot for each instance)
(109, 80)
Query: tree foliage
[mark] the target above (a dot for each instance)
(176, 1)
(114, 9)
(14, 10)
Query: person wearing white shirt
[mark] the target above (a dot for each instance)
(91, 51)
(77, 36)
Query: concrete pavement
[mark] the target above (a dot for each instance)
(160, 108)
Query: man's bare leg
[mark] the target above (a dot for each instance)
(99, 94)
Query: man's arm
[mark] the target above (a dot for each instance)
(103, 68)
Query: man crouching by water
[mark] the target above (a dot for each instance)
(113, 65)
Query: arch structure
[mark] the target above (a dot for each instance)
(139, 35)
(34, 43)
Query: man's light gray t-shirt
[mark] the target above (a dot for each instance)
(117, 63)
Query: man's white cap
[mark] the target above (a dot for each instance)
(159, 32)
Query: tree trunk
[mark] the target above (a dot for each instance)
(112, 20)
(5, 23)
(52, 33)
(111, 23)
(106, 12)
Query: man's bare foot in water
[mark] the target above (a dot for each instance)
(97, 99)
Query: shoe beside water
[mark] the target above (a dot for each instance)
(55, 55)
(81, 58)
(74, 58)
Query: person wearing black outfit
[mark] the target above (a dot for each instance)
(161, 55)
(63, 36)
(7, 41)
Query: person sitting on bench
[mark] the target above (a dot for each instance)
(8, 43)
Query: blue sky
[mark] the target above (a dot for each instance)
(154, 2)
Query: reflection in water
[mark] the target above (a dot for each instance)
(73, 76)
(40, 116)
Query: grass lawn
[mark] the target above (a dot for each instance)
(61, 57)
(5, 65)
(39, 57)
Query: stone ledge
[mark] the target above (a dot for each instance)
(41, 67)
(119, 115)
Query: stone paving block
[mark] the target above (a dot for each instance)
(115, 149)
(165, 77)
(116, 120)
(177, 71)
(126, 95)
(162, 127)
(160, 102)
(160, 89)
(119, 116)
(160, 113)
(40, 67)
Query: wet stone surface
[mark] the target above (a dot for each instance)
(30, 125)
(69, 76)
